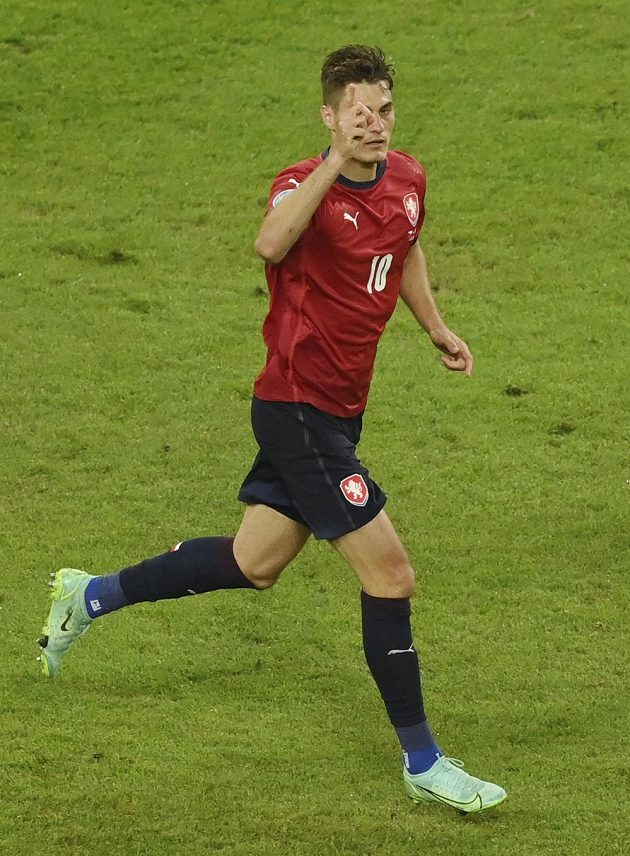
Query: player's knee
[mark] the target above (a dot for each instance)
(261, 576)
(401, 581)
(262, 583)
(406, 587)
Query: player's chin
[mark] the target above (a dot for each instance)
(373, 154)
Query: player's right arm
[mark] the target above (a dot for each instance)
(284, 223)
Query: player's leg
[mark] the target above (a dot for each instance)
(265, 543)
(380, 561)
(378, 557)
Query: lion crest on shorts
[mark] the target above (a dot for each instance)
(355, 489)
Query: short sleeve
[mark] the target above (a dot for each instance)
(283, 185)
(421, 183)
(288, 181)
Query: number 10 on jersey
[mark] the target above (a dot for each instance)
(378, 272)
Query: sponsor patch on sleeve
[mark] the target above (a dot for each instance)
(277, 199)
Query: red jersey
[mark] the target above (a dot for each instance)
(333, 293)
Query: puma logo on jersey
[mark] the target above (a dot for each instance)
(352, 219)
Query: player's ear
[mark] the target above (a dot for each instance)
(328, 116)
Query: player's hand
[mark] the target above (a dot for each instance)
(353, 119)
(457, 356)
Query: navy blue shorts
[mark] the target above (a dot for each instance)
(308, 470)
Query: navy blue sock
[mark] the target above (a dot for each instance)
(393, 662)
(104, 594)
(192, 567)
(419, 747)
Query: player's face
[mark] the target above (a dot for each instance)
(377, 97)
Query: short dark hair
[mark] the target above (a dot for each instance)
(353, 64)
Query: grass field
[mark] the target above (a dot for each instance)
(137, 144)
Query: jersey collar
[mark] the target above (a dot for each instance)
(360, 185)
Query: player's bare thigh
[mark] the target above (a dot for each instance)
(266, 542)
(377, 556)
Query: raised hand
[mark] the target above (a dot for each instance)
(352, 121)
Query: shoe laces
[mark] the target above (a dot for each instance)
(454, 761)
(452, 770)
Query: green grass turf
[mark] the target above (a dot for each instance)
(138, 142)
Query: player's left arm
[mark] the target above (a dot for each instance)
(415, 290)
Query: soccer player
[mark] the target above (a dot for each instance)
(340, 242)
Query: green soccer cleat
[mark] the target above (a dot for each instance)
(67, 620)
(446, 782)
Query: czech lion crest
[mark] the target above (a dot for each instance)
(412, 207)
(355, 489)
